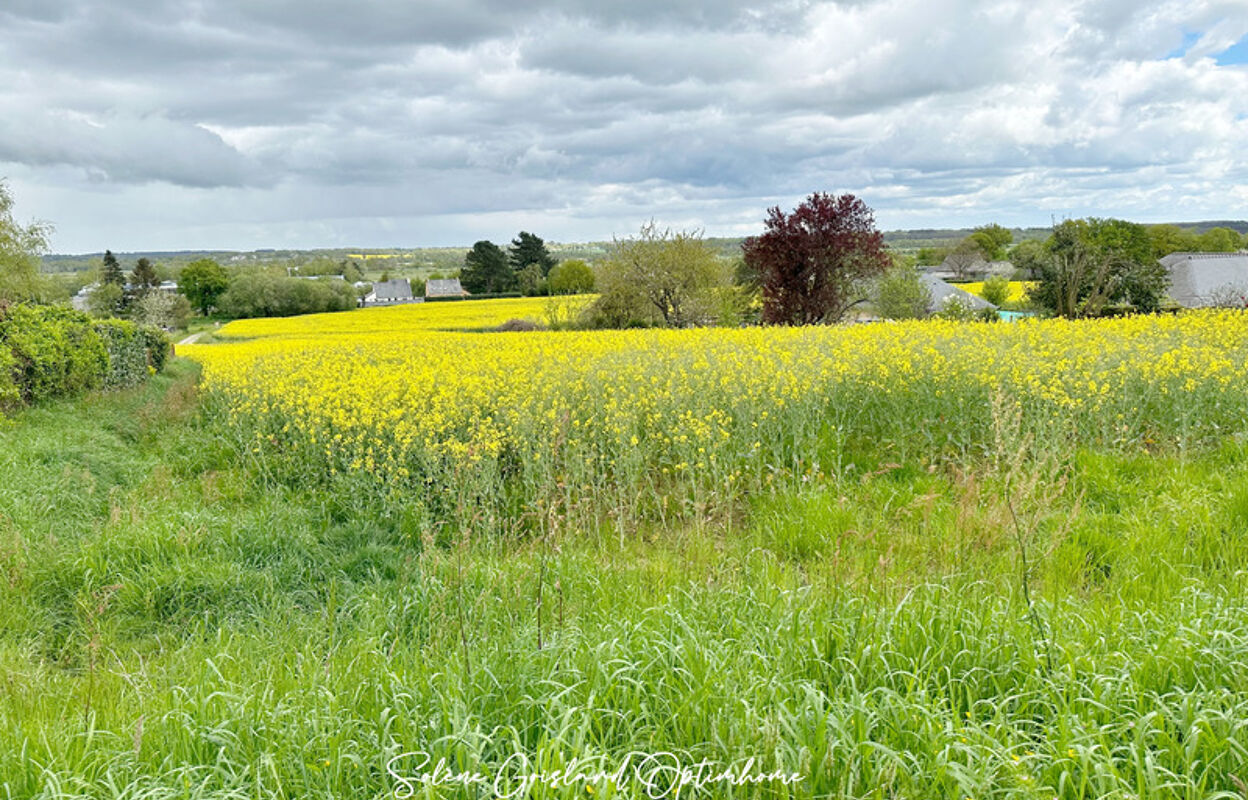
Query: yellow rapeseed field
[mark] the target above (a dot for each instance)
(1017, 293)
(405, 395)
(445, 316)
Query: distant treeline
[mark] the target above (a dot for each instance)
(450, 259)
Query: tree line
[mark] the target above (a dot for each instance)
(815, 264)
(526, 268)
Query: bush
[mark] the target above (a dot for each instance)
(56, 351)
(162, 310)
(959, 310)
(901, 294)
(513, 325)
(571, 277)
(660, 277)
(996, 290)
(53, 351)
(127, 356)
(156, 345)
(10, 395)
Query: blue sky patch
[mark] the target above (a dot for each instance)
(1235, 54)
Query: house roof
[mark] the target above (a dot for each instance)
(444, 287)
(944, 293)
(1198, 279)
(397, 289)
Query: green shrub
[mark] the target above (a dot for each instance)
(10, 396)
(996, 290)
(156, 345)
(56, 351)
(483, 296)
(571, 277)
(127, 355)
(262, 294)
(51, 351)
(901, 294)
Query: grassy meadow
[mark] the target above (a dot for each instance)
(919, 560)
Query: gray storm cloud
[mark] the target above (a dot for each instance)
(232, 122)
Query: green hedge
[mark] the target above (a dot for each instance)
(127, 356)
(486, 296)
(51, 351)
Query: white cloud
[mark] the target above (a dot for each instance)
(228, 123)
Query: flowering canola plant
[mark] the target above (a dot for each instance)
(413, 396)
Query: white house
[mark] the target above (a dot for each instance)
(389, 293)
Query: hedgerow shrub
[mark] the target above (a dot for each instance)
(155, 344)
(127, 355)
(49, 351)
(57, 351)
(482, 296)
(259, 294)
(9, 394)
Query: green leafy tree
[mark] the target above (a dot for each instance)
(530, 281)
(203, 282)
(486, 270)
(266, 294)
(571, 277)
(660, 277)
(352, 272)
(992, 240)
(1027, 256)
(529, 249)
(105, 300)
(901, 294)
(1167, 239)
(1095, 263)
(21, 247)
(1218, 240)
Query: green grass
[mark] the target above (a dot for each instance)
(172, 626)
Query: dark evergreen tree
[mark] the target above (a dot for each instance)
(144, 276)
(529, 249)
(112, 272)
(142, 280)
(486, 270)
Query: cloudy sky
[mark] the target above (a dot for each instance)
(239, 124)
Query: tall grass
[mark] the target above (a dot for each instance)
(175, 623)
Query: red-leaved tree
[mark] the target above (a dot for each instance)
(812, 264)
